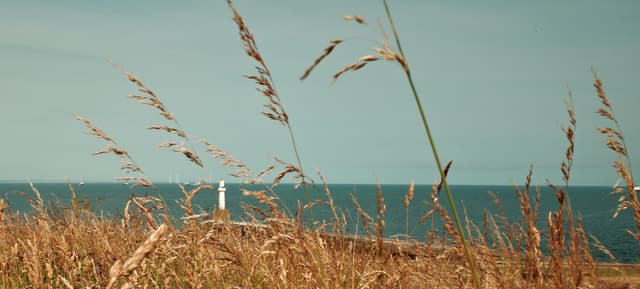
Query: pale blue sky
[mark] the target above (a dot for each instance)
(491, 75)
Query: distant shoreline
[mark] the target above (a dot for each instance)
(75, 182)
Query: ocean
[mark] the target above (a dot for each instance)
(595, 204)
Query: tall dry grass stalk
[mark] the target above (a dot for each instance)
(146, 206)
(127, 164)
(3, 209)
(124, 269)
(569, 131)
(366, 219)
(407, 201)
(533, 259)
(40, 209)
(76, 204)
(337, 223)
(262, 197)
(148, 97)
(187, 205)
(274, 107)
(325, 53)
(614, 139)
(436, 207)
(580, 262)
(570, 258)
(242, 171)
(380, 219)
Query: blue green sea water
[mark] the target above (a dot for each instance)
(595, 204)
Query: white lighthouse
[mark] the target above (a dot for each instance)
(221, 214)
(221, 199)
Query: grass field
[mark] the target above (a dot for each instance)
(70, 246)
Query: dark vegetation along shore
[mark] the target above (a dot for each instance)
(71, 246)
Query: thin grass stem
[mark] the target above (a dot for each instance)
(470, 259)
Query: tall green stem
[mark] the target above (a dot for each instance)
(454, 211)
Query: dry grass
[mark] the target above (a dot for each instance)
(71, 247)
(274, 107)
(53, 252)
(77, 249)
(127, 164)
(614, 139)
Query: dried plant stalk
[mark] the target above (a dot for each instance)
(409, 196)
(380, 224)
(288, 168)
(615, 141)
(38, 204)
(65, 282)
(264, 81)
(141, 204)
(325, 53)
(242, 170)
(127, 163)
(186, 205)
(3, 205)
(366, 219)
(168, 129)
(435, 192)
(351, 67)
(262, 197)
(120, 269)
(569, 131)
(334, 213)
(407, 200)
(356, 18)
(190, 155)
(150, 98)
(533, 261)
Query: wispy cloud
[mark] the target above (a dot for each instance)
(9, 48)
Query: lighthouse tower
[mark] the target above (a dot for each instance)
(221, 214)
(221, 191)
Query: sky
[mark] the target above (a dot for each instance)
(492, 77)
